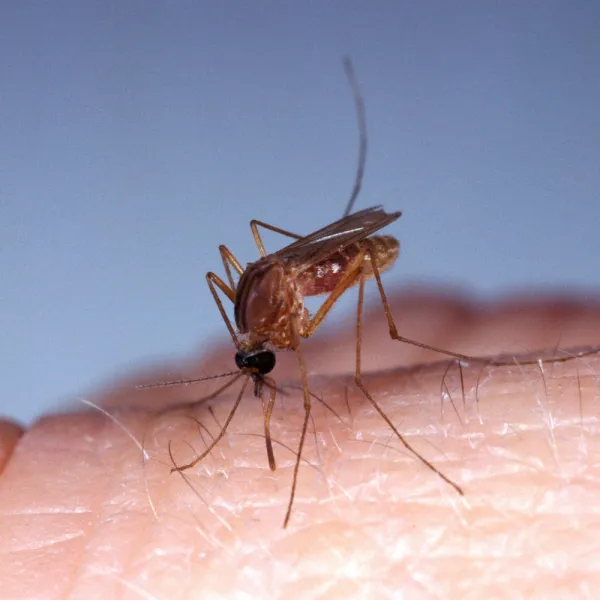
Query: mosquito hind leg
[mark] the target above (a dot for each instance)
(375, 404)
(484, 360)
(394, 330)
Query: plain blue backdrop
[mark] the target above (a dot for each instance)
(137, 136)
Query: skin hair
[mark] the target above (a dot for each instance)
(83, 515)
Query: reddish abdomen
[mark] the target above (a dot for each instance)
(323, 277)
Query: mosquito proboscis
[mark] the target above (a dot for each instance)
(269, 310)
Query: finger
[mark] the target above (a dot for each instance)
(77, 484)
(10, 433)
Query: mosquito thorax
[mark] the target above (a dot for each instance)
(261, 361)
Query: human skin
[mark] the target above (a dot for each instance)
(82, 515)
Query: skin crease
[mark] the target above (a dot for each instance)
(83, 516)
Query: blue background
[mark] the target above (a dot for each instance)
(137, 136)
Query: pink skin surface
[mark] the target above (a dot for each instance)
(83, 515)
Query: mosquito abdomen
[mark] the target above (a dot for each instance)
(385, 249)
(323, 277)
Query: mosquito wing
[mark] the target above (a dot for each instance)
(321, 244)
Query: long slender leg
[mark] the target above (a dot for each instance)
(359, 383)
(214, 280)
(229, 259)
(394, 331)
(302, 435)
(267, 416)
(221, 433)
(254, 225)
(464, 357)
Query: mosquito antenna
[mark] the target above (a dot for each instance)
(188, 405)
(362, 131)
(160, 384)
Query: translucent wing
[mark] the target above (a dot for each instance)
(324, 242)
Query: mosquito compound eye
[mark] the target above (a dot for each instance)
(263, 361)
(240, 360)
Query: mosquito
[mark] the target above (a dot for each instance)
(270, 314)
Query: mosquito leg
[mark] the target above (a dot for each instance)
(302, 435)
(221, 433)
(359, 383)
(465, 357)
(214, 280)
(254, 225)
(267, 414)
(392, 326)
(230, 260)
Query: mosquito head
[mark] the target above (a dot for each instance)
(258, 362)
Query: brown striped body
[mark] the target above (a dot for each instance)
(269, 301)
